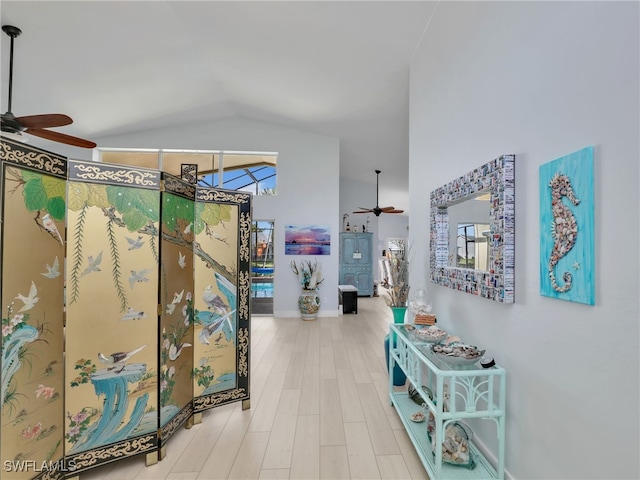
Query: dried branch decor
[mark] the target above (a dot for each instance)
(398, 292)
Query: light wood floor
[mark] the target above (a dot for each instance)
(319, 410)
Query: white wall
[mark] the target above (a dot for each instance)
(540, 80)
(307, 185)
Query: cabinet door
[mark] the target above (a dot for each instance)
(349, 278)
(365, 283)
(356, 249)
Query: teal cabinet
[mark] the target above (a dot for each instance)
(356, 261)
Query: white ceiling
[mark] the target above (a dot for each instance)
(330, 67)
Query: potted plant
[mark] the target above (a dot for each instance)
(397, 295)
(310, 277)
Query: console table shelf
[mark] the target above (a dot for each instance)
(468, 391)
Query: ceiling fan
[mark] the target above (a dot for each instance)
(36, 124)
(377, 210)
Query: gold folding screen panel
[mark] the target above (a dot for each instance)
(177, 300)
(222, 285)
(125, 296)
(33, 234)
(111, 351)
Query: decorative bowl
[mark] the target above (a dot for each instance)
(417, 417)
(458, 354)
(431, 334)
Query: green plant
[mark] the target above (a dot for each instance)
(87, 368)
(204, 375)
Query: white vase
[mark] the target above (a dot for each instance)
(309, 304)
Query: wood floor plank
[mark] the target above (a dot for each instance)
(410, 456)
(203, 438)
(305, 463)
(349, 399)
(334, 462)
(280, 446)
(310, 391)
(362, 459)
(380, 432)
(331, 423)
(224, 451)
(265, 411)
(392, 467)
(295, 371)
(250, 454)
(274, 474)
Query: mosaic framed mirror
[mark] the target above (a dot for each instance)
(487, 268)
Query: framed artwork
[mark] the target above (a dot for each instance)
(567, 257)
(189, 172)
(307, 240)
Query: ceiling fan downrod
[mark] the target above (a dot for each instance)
(13, 32)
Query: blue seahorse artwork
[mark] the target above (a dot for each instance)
(567, 255)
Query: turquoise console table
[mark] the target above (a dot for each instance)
(473, 393)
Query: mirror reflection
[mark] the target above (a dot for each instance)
(468, 243)
(472, 246)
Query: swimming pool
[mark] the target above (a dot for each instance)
(262, 289)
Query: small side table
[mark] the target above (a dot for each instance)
(348, 298)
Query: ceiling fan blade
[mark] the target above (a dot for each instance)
(46, 120)
(61, 138)
(393, 211)
(385, 209)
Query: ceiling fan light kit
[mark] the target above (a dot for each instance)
(37, 125)
(377, 210)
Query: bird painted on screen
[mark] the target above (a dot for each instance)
(176, 350)
(53, 271)
(118, 358)
(50, 226)
(135, 244)
(132, 314)
(139, 276)
(182, 260)
(177, 298)
(94, 264)
(187, 229)
(29, 300)
(215, 326)
(214, 302)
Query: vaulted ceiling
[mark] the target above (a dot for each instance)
(329, 67)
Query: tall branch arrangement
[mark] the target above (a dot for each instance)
(398, 292)
(309, 274)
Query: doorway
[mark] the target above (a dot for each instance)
(262, 267)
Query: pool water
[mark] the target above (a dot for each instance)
(262, 290)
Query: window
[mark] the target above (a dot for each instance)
(252, 172)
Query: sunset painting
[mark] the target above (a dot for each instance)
(307, 240)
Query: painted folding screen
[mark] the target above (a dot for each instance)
(176, 298)
(222, 229)
(33, 189)
(112, 323)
